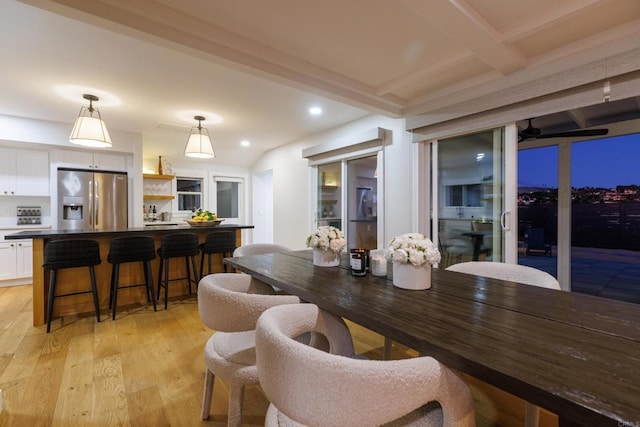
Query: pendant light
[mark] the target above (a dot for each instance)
(199, 144)
(90, 130)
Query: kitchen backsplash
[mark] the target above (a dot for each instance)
(9, 210)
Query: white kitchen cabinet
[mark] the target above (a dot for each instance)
(99, 161)
(8, 260)
(24, 172)
(16, 260)
(24, 258)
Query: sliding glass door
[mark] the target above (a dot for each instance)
(362, 203)
(329, 201)
(468, 197)
(347, 198)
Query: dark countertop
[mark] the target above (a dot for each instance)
(149, 229)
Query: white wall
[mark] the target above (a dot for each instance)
(292, 213)
(52, 136)
(263, 207)
(19, 129)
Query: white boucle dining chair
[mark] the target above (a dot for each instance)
(227, 304)
(514, 273)
(259, 249)
(307, 386)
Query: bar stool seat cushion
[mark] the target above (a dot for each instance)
(61, 254)
(178, 245)
(131, 249)
(217, 242)
(71, 254)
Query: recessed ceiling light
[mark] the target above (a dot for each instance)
(479, 157)
(315, 111)
(245, 143)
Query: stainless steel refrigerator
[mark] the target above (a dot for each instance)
(91, 201)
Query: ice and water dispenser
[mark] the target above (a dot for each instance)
(72, 208)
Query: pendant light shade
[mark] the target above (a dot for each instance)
(90, 130)
(199, 144)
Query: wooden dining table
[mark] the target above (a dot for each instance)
(576, 355)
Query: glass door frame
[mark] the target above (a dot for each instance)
(241, 196)
(427, 190)
(343, 159)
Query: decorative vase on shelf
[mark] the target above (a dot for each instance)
(325, 258)
(408, 276)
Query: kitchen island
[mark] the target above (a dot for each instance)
(76, 279)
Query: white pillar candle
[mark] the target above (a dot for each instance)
(378, 263)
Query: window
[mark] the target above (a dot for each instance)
(464, 195)
(227, 199)
(228, 196)
(189, 192)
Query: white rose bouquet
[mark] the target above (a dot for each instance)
(328, 238)
(413, 248)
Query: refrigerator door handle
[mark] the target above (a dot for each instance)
(90, 197)
(96, 203)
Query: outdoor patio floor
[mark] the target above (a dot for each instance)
(606, 273)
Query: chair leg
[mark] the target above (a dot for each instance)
(208, 264)
(196, 278)
(148, 280)
(145, 271)
(115, 276)
(236, 395)
(159, 278)
(166, 283)
(202, 263)
(186, 260)
(52, 291)
(207, 394)
(532, 415)
(386, 349)
(94, 289)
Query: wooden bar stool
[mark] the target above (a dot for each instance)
(219, 242)
(131, 249)
(179, 245)
(60, 254)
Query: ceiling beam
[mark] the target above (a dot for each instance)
(462, 24)
(423, 74)
(578, 117)
(230, 49)
(562, 12)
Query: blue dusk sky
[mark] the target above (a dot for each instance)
(606, 162)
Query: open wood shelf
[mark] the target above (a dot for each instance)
(157, 197)
(156, 176)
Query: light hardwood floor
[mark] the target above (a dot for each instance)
(144, 369)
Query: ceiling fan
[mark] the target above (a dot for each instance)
(535, 133)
